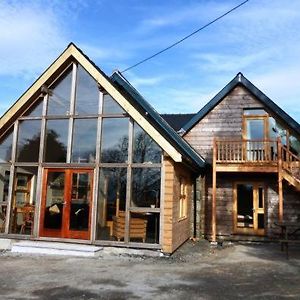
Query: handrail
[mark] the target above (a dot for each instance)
(291, 162)
(239, 151)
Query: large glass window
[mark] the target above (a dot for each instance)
(84, 140)
(145, 148)
(36, 110)
(28, 146)
(56, 140)
(6, 146)
(114, 142)
(59, 98)
(23, 200)
(294, 145)
(110, 106)
(4, 187)
(87, 94)
(146, 187)
(111, 201)
(276, 130)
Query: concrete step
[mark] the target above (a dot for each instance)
(54, 248)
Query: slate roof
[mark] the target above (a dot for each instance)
(241, 80)
(132, 95)
(177, 121)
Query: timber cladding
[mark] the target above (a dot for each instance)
(224, 120)
(225, 204)
(175, 230)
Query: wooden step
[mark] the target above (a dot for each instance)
(291, 179)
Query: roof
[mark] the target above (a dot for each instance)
(177, 121)
(241, 80)
(157, 121)
(128, 97)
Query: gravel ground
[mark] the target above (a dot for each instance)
(195, 271)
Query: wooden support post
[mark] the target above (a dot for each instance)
(214, 195)
(280, 192)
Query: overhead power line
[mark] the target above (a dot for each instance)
(184, 38)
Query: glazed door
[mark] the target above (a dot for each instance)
(66, 203)
(249, 208)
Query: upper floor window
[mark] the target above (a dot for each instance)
(254, 112)
(6, 146)
(183, 198)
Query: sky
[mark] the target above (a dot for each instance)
(261, 39)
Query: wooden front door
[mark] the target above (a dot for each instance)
(249, 208)
(66, 203)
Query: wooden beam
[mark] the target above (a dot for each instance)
(243, 167)
(214, 195)
(280, 192)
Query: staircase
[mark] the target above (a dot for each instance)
(290, 168)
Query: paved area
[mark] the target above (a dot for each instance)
(196, 271)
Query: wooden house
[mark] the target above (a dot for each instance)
(84, 158)
(253, 148)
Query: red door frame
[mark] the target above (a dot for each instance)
(65, 232)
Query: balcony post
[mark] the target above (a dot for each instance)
(214, 195)
(280, 192)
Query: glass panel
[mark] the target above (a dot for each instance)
(260, 197)
(6, 146)
(245, 205)
(255, 129)
(255, 132)
(110, 106)
(87, 93)
(80, 201)
(4, 186)
(55, 199)
(146, 187)
(114, 143)
(144, 227)
(59, 100)
(111, 201)
(23, 200)
(35, 110)
(260, 221)
(255, 112)
(56, 140)
(29, 141)
(294, 145)
(145, 148)
(276, 130)
(84, 141)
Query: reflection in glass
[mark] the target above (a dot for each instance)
(59, 99)
(36, 110)
(4, 186)
(276, 130)
(80, 201)
(29, 141)
(255, 132)
(87, 93)
(145, 148)
(146, 187)
(55, 199)
(245, 205)
(294, 144)
(114, 143)
(56, 140)
(144, 227)
(6, 146)
(110, 106)
(84, 140)
(23, 200)
(111, 201)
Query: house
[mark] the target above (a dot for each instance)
(85, 159)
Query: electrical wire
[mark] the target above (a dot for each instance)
(184, 38)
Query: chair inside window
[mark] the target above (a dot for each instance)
(28, 217)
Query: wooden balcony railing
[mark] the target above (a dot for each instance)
(242, 151)
(290, 162)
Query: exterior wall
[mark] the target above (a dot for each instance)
(175, 231)
(225, 120)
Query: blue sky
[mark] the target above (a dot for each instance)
(261, 39)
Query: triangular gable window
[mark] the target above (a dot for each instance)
(35, 110)
(110, 106)
(87, 93)
(59, 99)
